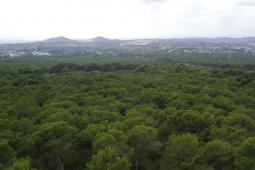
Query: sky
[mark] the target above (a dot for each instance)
(126, 19)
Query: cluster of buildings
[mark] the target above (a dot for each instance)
(18, 53)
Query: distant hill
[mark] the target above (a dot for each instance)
(60, 39)
(100, 39)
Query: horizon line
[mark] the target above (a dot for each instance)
(173, 37)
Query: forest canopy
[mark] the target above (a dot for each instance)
(126, 113)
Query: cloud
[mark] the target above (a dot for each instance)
(153, 1)
(247, 3)
(126, 18)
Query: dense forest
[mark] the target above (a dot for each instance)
(97, 113)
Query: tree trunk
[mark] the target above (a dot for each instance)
(59, 163)
(136, 164)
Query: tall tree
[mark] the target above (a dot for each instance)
(52, 142)
(108, 159)
(146, 146)
(181, 153)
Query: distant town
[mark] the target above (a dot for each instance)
(136, 48)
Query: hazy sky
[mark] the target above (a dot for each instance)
(40, 19)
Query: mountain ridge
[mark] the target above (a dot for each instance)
(101, 39)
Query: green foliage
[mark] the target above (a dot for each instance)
(143, 139)
(189, 112)
(181, 153)
(21, 164)
(53, 142)
(6, 153)
(219, 154)
(245, 154)
(108, 159)
(188, 121)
